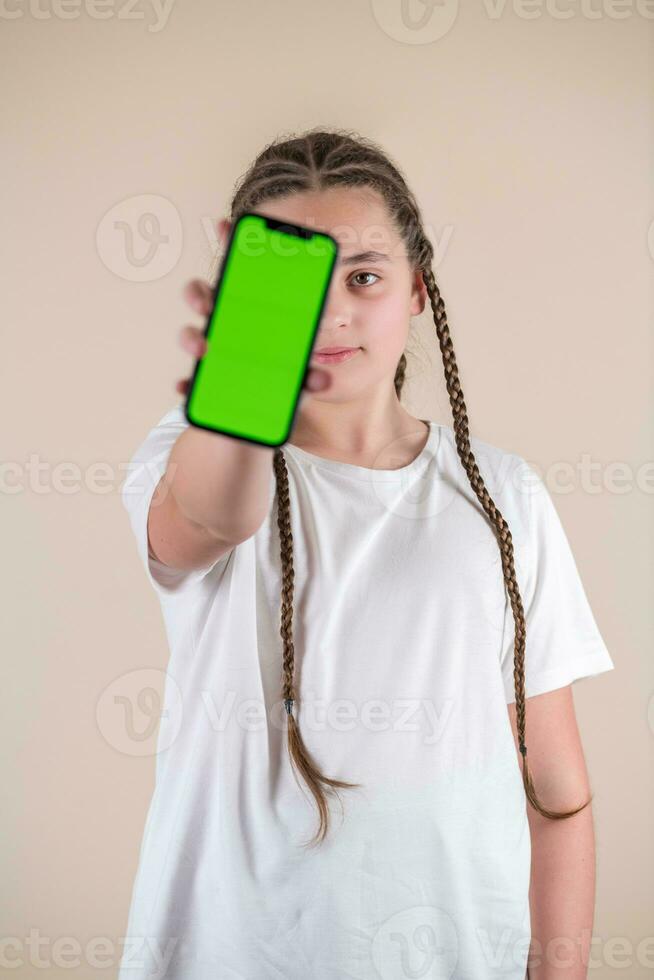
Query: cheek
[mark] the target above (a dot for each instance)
(386, 328)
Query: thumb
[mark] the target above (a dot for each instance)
(315, 380)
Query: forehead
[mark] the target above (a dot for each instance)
(356, 217)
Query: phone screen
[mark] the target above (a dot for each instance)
(270, 294)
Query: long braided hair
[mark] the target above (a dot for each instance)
(313, 161)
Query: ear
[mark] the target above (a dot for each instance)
(419, 294)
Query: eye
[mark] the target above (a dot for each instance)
(374, 274)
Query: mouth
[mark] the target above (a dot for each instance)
(334, 355)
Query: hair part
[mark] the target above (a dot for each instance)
(317, 160)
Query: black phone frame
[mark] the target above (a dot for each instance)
(290, 228)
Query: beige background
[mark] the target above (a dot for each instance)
(527, 137)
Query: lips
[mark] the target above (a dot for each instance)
(333, 350)
(334, 355)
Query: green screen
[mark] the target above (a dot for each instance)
(260, 334)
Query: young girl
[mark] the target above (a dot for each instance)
(365, 609)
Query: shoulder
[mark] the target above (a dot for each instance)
(504, 472)
(175, 416)
(155, 445)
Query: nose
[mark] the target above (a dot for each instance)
(336, 315)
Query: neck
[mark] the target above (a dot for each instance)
(379, 435)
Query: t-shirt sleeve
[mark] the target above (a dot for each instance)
(144, 470)
(563, 641)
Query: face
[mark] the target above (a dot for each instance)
(371, 297)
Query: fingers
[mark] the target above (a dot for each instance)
(193, 341)
(315, 380)
(199, 295)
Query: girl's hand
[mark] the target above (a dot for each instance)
(199, 295)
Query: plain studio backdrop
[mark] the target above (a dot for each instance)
(525, 130)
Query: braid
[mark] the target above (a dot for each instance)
(300, 757)
(500, 527)
(400, 373)
(314, 161)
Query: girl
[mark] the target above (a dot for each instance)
(411, 586)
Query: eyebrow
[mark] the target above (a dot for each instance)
(369, 256)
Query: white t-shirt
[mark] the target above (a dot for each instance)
(403, 640)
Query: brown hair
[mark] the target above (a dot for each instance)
(313, 161)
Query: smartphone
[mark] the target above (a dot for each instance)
(271, 289)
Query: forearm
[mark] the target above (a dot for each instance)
(561, 895)
(219, 482)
